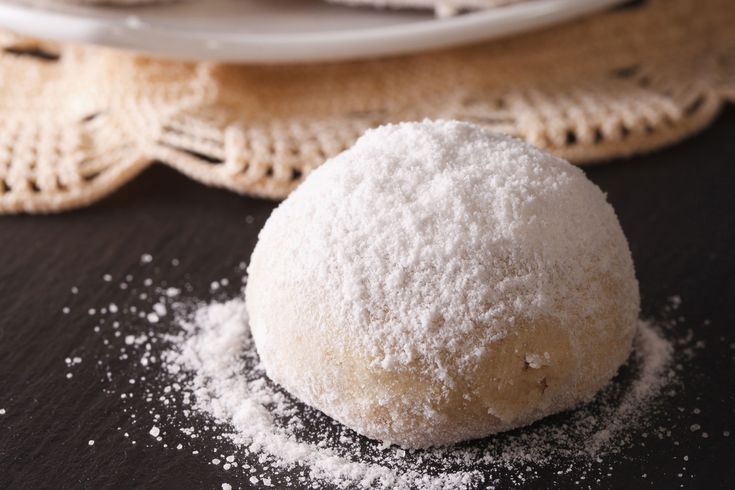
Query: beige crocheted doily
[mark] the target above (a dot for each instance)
(78, 122)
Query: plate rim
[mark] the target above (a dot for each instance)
(342, 45)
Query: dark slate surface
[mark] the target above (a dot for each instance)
(677, 207)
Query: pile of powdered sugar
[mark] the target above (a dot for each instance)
(194, 366)
(213, 357)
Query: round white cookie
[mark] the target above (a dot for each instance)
(440, 282)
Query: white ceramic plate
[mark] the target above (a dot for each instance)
(278, 30)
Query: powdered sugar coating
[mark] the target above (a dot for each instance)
(467, 283)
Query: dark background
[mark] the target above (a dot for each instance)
(676, 207)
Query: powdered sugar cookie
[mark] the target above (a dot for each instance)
(439, 282)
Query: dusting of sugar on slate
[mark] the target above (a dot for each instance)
(216, 351)
(200, 384)
(212, 394)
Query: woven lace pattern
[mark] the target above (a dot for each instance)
(78, 122)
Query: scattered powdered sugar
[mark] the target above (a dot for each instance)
(216, 351)
(198, 373)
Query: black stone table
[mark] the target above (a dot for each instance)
(677, 207)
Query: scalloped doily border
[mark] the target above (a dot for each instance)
(79, 122)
